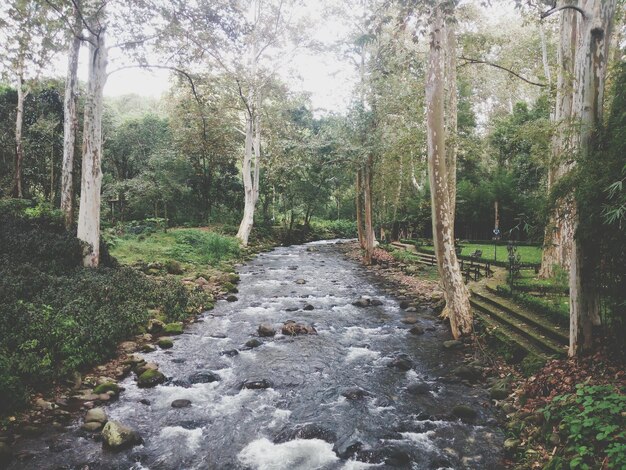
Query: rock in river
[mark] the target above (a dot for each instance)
(257, 384)
(291, 328)
(116, 436)
(306, 431)
(204, 377)
(96, 415)
(181, 403)
(150, 378)
(253, 343)
(266, 330)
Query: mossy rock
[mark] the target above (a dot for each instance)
(230, 287)
(173, 329)
(234, 278)
(165, 343)
(107, 387)
(464, 413)
(150, 378)
(174, 267)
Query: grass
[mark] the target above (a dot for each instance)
(190, 246)
(529, 254)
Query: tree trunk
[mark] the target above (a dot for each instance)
(559, 232)
(19, 141)
(367, 193)
(359, 209)
(91, 181)
(590, 74)
(252, 146)
(456, 295)
(451, 115)
(70, 124)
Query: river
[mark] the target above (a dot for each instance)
(303, 421)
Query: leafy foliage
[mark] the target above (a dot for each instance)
(57, 317)
(594, 427)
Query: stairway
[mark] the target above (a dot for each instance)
(529, 330)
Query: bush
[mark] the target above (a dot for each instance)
(592, 423)
(57, 317)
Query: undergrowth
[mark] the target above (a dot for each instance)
(57, 317)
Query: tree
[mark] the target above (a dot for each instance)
(456, 295)
(30, 36)
(70, 119)
(91, 180)
(595, 24)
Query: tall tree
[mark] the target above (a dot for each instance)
(595, 25)
(70, 118)
(559, 232)
(456, 295)
(30, 37)
(91, 181)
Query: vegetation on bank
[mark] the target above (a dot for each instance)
(57, 318)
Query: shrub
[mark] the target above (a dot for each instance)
(57, 317)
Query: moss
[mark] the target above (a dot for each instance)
(173, 329)
(234, 278)
(230, 287)
(532, 364)
(150, 378)
(107, 387)
(165, 343)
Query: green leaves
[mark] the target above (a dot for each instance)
(593, 421)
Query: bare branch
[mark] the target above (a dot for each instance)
(545, 14)
(469, 60)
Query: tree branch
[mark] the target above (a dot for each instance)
(552, 10)
(469, 60)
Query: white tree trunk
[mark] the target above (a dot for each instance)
(590, 74)
(245, 227)
(19, 141)
(252, 146)
(367, 206)
(456, 295)
(451, 107)
(70, 124)
(559, 233)
(91, 182)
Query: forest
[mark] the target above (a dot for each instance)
(471, 154)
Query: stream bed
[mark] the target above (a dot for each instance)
(335, 399)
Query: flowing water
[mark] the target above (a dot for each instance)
(227, 427)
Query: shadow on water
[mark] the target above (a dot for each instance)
(334, 400)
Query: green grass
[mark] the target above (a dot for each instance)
(529, 254)
(190, 246)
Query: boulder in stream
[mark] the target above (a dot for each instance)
(257, 384)
(150, 378)
(464, 413)
(355, 393)
(253, 343)
(401, 362)
(291, 328)
(266, 330)
(204, 377)
(306, 431)
(181, 403)
(116, 436)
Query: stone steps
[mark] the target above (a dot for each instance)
(523, 327)
(555, 332)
